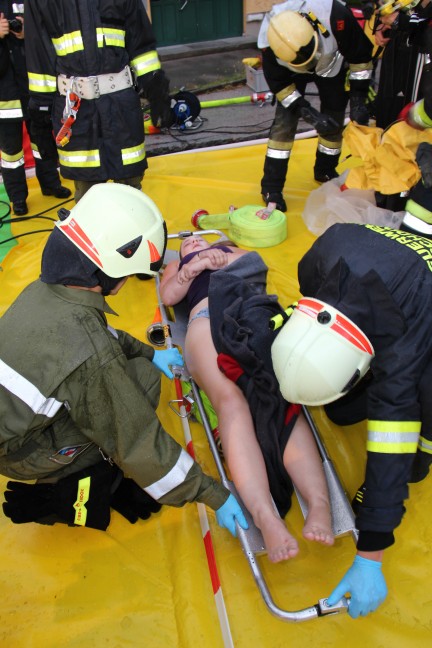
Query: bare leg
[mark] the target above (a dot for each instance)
(240, 446)
(303, 464)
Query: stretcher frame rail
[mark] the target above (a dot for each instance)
(251, 540)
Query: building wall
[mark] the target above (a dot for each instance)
(257, 6)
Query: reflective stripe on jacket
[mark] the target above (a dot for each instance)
(83, 39)
(59, 362)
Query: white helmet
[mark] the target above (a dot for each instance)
(119, 228)
(319, 354)
(293, 39)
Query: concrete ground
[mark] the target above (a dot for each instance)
(213, 71)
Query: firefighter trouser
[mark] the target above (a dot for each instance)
(12, 163)
(352, 408)
(333, 101)
(426, 80)
(62, 449)
(82, 186)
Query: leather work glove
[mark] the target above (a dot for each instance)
(156, 90)
(230, 513)
(424, 161)
(366, 584)
(82, 498)
(323, 124)
(133, 502)
(359, 111)
(166, 358)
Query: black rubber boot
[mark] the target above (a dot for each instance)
(273, 182)
(325, 167)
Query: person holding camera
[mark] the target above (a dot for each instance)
(14, 97)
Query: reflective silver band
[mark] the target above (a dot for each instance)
(174, 478)
(27, 392)
(392, 437)
(361, 75)
(288, 101)
(277, 154)
(327, 150)
(416, 224)
(425, 445)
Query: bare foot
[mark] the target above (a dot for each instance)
(318, 525)
(280, 544)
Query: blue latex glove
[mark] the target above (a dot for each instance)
(229, 513)
(365, 582)
(166, 358)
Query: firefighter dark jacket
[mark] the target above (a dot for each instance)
(88, 38)
(71, 385)
(13, 72)
(382, 279)
(350, 42)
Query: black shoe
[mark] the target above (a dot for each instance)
(276, 198)
(325, 176)
(58, 192)
(20, 208)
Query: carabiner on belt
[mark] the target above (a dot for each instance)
(72, 104)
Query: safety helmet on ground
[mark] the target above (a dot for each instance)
(319, 354)
(119, 229)
(293, 39)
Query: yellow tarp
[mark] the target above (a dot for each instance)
(388, 156)
(148, 585)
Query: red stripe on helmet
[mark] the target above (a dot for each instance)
(309, 306)
(350, 332)
(74, 232)
(154, 254)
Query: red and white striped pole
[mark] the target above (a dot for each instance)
(202, 512)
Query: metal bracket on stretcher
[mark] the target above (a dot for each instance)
(251, 540)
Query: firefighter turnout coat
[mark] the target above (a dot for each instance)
(98, 49)
(14, 97)
(71, 387)
(382, 279)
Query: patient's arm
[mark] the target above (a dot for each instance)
(171, 291)
(175, 283)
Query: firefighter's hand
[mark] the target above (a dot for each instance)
(366, 584)
(156, 91)
(358, 110)
(167, 358)
(230, 513)
(323, 124)
(4, 26)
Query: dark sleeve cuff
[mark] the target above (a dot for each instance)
(374, 540)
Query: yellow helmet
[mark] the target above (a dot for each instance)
(319, 354)
(293, 39)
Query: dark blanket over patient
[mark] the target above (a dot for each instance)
(240, 311)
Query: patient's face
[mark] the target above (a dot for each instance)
(192, 244)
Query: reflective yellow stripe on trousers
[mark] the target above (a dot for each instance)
(393, 437)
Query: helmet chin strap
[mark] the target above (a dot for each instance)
(316, 23)
(106, 283)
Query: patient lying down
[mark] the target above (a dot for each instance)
(248, 447)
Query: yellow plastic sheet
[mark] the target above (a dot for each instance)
(148, 585)
(388, 156)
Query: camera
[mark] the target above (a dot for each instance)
(15, 25)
